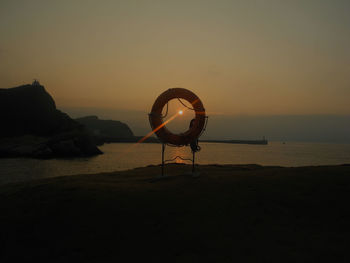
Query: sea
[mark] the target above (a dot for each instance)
(124, 156)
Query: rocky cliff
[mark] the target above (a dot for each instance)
(31, 126)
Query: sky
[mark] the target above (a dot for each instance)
(239, 57)
(254, 64)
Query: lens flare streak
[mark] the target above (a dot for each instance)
(159, 127)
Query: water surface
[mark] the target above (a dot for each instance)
(123, 156)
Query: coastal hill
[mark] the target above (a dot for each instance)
(29, 109)
(32, 126)
(229, 213)
(106, 130)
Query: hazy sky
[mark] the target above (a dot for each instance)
(240, 57)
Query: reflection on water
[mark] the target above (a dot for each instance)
(178, 151)
(124, 156)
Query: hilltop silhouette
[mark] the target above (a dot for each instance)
(32, 126)
(29, 109)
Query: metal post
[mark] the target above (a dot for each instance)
(193, 156)
(163, 149)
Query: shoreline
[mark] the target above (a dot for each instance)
(158, 166)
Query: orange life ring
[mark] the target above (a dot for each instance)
(156, 119)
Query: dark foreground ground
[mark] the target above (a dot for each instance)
(227, 214)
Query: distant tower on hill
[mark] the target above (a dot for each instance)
(36, 83)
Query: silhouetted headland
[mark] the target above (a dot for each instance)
(31, 126)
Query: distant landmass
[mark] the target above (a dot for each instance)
(106, 130)
(328, 128)
(31, 126)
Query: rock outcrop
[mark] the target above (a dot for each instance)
(31, 126)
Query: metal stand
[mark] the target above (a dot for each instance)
(193, 156)
(184, 159)
(163, 149)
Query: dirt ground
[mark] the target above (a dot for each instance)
(229, 213)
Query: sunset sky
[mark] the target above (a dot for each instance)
(240, 57)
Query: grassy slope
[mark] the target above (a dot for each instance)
(227, 214)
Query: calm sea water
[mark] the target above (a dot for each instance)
(125, 156)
